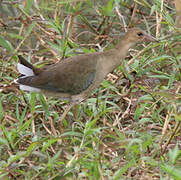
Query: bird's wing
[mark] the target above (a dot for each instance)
(71, 76)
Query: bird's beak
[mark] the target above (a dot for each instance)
(150, 38)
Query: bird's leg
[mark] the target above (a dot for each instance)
(66, 111)
(75, 112)
(74, 101)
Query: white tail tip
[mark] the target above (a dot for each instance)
(25, 70)
(28, 88)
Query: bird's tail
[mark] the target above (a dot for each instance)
(26, 70)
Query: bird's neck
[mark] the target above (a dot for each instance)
(115, 56)
(124, 44)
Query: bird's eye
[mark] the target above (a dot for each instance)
(140, 34)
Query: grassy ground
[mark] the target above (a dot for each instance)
(129, 128)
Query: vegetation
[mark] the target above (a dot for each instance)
(129, 128)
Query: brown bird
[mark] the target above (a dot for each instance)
(74, 78)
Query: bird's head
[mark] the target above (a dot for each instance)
(136, 35)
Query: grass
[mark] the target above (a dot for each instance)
(129, 128)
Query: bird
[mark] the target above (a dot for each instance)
(75, 77)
